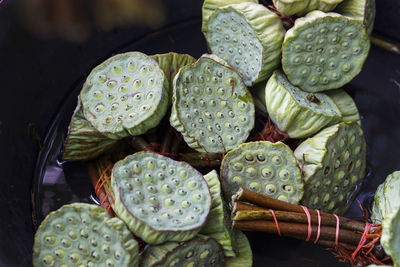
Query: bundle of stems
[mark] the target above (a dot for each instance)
(354, 241)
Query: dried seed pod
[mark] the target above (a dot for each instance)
(211, 106)
(160, 199)
(296, 112)
(219, 224)
(302, 7)
(387, 197)
(199, 251)
(249, 37)
(264, 167)
(324, 51)
(209, 6)
(81, 234)
(390, 239)
(334, 162)
(244, 256)
(125, 95)
(345, 104)
(362, 10)
(83, 141)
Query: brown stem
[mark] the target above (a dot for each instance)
(275, 204)
(378, 41)
(240, 206)
(299, 231)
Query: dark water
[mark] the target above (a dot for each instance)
(57, 183)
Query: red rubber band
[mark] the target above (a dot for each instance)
(101, 177)
(362, 240)
(102, 184)
(319, 227)
(109, 206)
(276, 222)
(337, 231)
(309, 222)
(105, 198)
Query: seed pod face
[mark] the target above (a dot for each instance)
(81, 234)
(211, 106)
(334, 163)
(244, 256)
(387, 197)
(390, 239)
(361, 10)
(126, 94)
(264, 167)
(346, 105)
(160, 199)
(199, 251)
(249, 37)
(83, 141)
(324, 51)
(296, 112)
(219, 225)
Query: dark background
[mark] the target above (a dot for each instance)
(36, 74)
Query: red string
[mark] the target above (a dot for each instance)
(102, 184)
(109, 206)
(105, 198)
(309, 222)
(362, 240)
(101, 177)
(319, 227)
(276, 222)
(337, 231)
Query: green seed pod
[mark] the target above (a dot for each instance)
(296, 112)
(361, 10)
(387, 197)
(170, 63)
(334, 162)
(245, 255)
(200, 251)
(219, 225)
(302, 7)
(390, 239)
(324, 51)
(160, 199)
(209, 6)
(211, 106)
(264, 167)
(83, 141)
(82, 234)
(249, 37)
(126, 94)
(345, 104)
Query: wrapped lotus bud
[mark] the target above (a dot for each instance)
(324, 51)
(158, 198)
(211, 106)
(333, 163)
(82, 234)
(302, 7)
(264, 167)
(249, 37)
(125, 95)
(200, 251)
(362, 10)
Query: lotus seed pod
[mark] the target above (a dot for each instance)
(346, 105)
(211, 106)
(158, 198)
(245, 255)
(390, 239)
(301, 7)
(324, 51)
(334, 162)
(362, 10)
(200, 251)
(170, 63)
(219, 225)
(264, 167)
(209, 6)
(81, 234)
(296, 112)
(387, 197)
(83, 141)
(249, 37)
(125, 95)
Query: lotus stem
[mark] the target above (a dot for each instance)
(385, 44)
